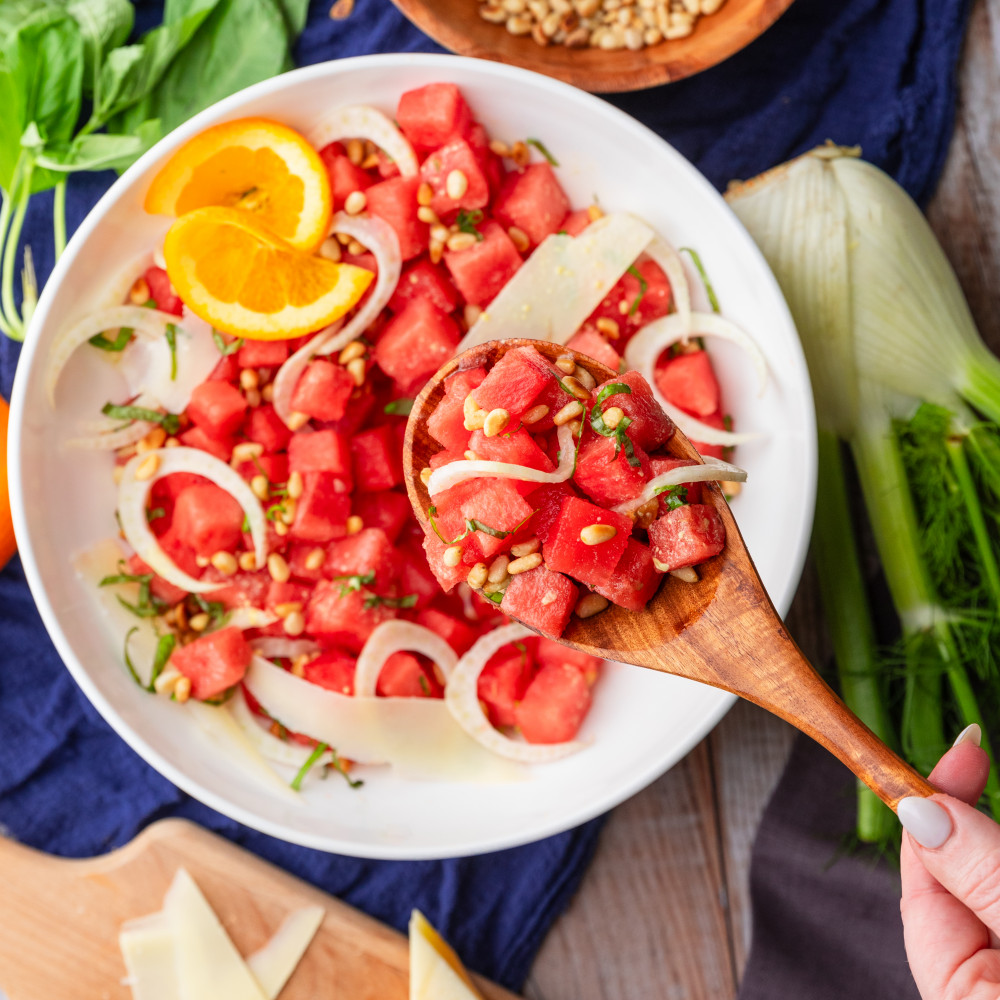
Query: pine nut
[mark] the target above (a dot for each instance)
(538, 35)
(153, 440)
(525, 548)
(519, 238)
(267, 393)
(520, 154)
(165, 683)
(597, 534)
(330, 250)
(288, 511)
(280, 528)
(278, 568)
(731, 489)
(525, 563)
(252, 397)
(458, 242)
(358, 369)
(686, 574)
(497, 572)
(471, 456)
(148, 467)
(476, 421)
(297, 668)
(287, 608)
(180, 615)
(647, 513)
(578, 39)
(440, 233)
(427, 214)
(182, 689)
(425, 474)
(585, 378)
(452, 555)
(634, 39)
(171, 442)
(315, 559)
(199, 622)
(576, 387)
(608, 327)
(535, 414)
(260, 486)
(568, 413)
(295, 485)
(456, 184)
(297, 420)
(477, 576)
(249, 379)
(710, 6)
(117, 474)
(248, 562)
(202, 561)
(519, 24)
(355, 249)
(294, 624)
(342, 238)
(566, 363)
(225, 562)
(613, 416)
(435, 251)
(594, 213)
(676, 31)
(652, 36)
(425, 195)
(471, 314)
(355, 151)
(139, 293)
(549, 597)
(590, 605)
(495, 422)
(499, 148)
(354, 524)
(355, 349)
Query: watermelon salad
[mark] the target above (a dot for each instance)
(268, 569)
(546, 485)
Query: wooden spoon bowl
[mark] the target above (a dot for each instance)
(722, 630)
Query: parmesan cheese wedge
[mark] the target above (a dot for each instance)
(273, 964)
(150, 953)
(436, 973)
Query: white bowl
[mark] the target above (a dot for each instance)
(642, 722)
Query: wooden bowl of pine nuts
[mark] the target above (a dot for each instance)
(603, 46)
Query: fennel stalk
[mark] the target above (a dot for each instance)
(902, 378)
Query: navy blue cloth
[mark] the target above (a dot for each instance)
(877, 73)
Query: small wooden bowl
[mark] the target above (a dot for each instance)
(456, 24)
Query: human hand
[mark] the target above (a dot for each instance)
(950, 866)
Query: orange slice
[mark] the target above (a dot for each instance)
(237, 275)
(258, 165)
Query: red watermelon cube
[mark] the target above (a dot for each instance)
(594, 345)
(209, 519)
(458, 155)
(378, 464)
(555, 704)
(345, 177)
(340, 616)
(659, 464)
(635, 579)
(541, 599)
(265, 427)
(323, 390)
(322, 510)
(447, 423)
(196, 437)
(432, 115)
(162, 292)
(534, 201)
(385, 509)
(333, 670)
(609, 479)
(395, 201)
(686, 536)
(321, 451)
(498, 505)
(483, 269)
(547, 501)
(566, 552)
(515, 448)
(456, 633)
(416, 342)
(503, 682)
(366, 553)
(515, 382)
(217, 408)
(689, 381)
(650, 426)
(262, 353)
(423, 280)
(416, 577)
(213, 663)
(404, 676)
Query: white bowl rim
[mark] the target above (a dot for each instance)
(219, 111)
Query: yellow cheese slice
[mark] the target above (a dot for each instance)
(273, 964)
(208, 965)
(150, 952)
(435, 970)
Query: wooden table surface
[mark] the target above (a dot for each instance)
(664, 910)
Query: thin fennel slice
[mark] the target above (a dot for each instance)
(133, 494)
(446, 476)
(281, 647)
(105, 440)
(360, 121)
(462, 698)
(268, 745)
(669, 260)
(288, 375)
(654, 338)
(712, 470)
(394, 637)
(562, 283)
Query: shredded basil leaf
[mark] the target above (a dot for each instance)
(164, 648)
(709, 290)
(374, 601)
(612, 389)
(215, 610)
(118, 344)
(496, 596)
(471, 525)
(246, 524)
(321, 748)
(643, 285)
(354, 582)
(424, 686)
(170, 422)
(171, 336)
(128, 659)
(338, 765)
(676, 496)
(468, 220)
(622, 441)
(147, 606)
(155, 514)
(540, 146)
(399, 407)
(226, 347)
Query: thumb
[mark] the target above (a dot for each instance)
(960, 847)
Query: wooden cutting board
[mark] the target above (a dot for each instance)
(59, 919)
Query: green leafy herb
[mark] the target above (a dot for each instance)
(171, 335)
(276, 511)
(246, 524)
(164, 648)
(399, 407)
(226, 347)
(216, 611)
(128, 659)
(155, 514)
(338, 765)
(354, 582)
(468, 220)
(321, 748)
(540, 146)
(424, 686)
(676, 496)
(643, 285)
(622, 441)
(120, 342)
(374, 601)
(170, 422)
(496, 596)
(147, 606)
(709, 290)
(471, 525)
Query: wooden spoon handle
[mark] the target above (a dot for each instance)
(795, 692)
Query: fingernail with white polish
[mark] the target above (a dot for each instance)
(971, 734)
(924, 820)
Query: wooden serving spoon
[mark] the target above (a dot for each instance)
(722, 630)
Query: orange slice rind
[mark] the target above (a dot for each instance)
(237, 275)
(260, 166)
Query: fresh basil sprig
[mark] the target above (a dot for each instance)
(170, 422)
(622, 441)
